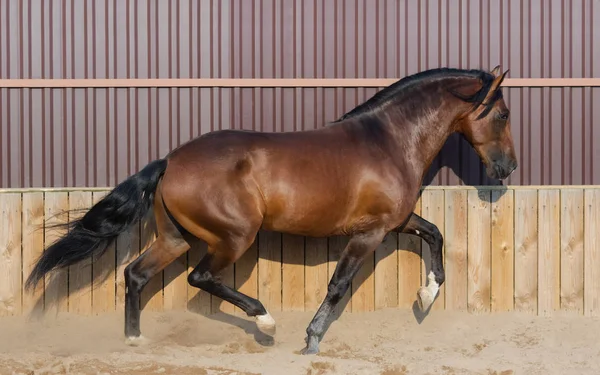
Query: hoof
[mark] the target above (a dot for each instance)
(312, 346)
(309, 351)
(136, 340)
(424, 299)
(266, 324)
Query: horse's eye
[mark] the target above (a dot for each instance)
(503, 116)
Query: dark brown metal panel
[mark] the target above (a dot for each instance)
(595, 135)
(77, 137)
(293, 38)
(594, 108)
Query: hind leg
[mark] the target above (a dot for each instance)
(137, 274)
(169, 245)
(206, 277)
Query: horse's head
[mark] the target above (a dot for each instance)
(487, 129)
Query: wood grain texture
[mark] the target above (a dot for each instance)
(591, 300)
(246, 274)
(103, 274)
(10, 254)
(552, 232)
(33, 247)
(315, 271)
(80, 274)
(57, 288)
(292, 282)
(502, 251)
(432, 210)
(386, 272)
(571, 245)
(526, 250)
(409, 266)
(269, 270)
(548, 251)
(479, 229)
(456, 250)
(175, 294)
(363, 286)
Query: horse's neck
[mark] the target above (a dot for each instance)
(427, 134)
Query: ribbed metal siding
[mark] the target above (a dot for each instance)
(96, 137)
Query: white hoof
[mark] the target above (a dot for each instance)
(424, 298)
(266, 324)
(136, 340)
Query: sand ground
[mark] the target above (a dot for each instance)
(390, 342)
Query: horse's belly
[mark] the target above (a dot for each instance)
(322, 214)
(307, 218)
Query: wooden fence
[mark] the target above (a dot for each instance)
(533, 249)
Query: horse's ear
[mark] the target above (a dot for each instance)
(495, 71)
(498, 81)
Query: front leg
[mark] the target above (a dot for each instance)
(350, 262)
(430, 233)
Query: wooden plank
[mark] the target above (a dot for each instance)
(292, 282)
(337, 244)
(175, 284)
(591, 273)
(386, 272)
(80, 274)
(151, 298)
(269, 270)
(198, 300)
(433, 211)
(455, 240)
(10, 254)
(571, 245)
(33, 247)
(127, 250)
(409, 266)
(363, 286)
(246, 274)
(103, 274)
(548, 251)
(478, 251)
(526, 250)
(57, 289)
(502, 293)
(315, 285)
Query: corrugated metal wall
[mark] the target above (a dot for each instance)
(96, 137)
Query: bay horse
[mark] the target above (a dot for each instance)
(359, 176)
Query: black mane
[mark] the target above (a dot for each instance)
(386, 94)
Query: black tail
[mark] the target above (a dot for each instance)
(113, 215)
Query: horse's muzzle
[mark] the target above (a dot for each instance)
(502, 169)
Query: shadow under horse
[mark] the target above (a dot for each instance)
(358, 177)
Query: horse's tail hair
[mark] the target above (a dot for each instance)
(91, 235)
